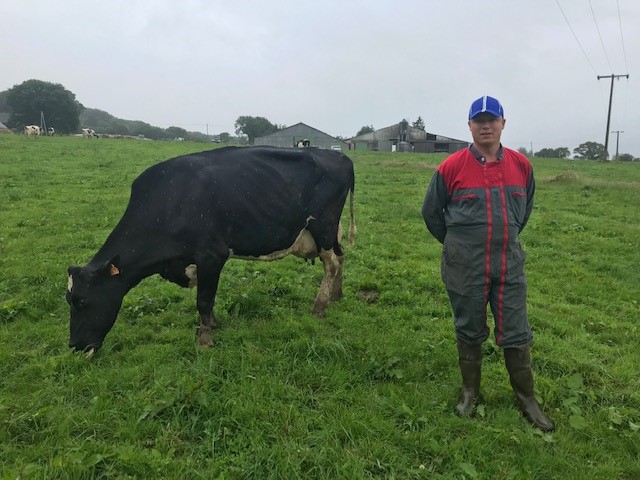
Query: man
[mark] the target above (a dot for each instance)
(477, 203)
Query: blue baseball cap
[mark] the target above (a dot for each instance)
(486, 104)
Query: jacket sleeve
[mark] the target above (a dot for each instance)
(531, 190)
(435, 202)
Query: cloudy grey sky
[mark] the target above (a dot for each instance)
(337, 65)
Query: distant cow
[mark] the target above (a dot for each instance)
(188, 215)
(89, 133)
(32, 131)
(303, 143)
(51, 131)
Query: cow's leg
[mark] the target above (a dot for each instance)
(331, 265)
(208, 278)
(336, 290)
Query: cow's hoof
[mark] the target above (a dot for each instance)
(318, 313)
(205, 340)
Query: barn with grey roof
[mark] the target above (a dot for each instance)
(291, 136)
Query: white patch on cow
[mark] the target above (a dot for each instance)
(304, 247)
(192, 272)
(70, 283)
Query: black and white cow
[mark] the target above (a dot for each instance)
(89, 133)
(32, 131)
(188, 215)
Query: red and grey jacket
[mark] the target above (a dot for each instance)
(481, 202)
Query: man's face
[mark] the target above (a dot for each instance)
(486, 129)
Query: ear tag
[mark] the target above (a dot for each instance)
(114, 270)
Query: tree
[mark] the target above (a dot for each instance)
(526, 152)
(589, 150)
(626, 157)
(60, 107)
(177, 132)
(225, 137)
(365, 129)
(562, 152)
(254, 127)
(419, 123)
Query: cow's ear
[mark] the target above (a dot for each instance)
(112, 267)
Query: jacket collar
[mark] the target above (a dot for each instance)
(478, 156)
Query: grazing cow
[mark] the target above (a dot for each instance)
(89, 133)
(51, 131)
(32, 131)
(188, 215)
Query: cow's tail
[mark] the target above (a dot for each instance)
(352, 218)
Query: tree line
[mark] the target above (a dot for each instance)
(584, 151)
(26, 102)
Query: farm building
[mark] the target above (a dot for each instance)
(290, 136)
(402, 137)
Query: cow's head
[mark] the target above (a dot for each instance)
(94, 295)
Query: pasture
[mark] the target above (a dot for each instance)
(367, 392)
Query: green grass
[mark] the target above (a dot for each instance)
(367, 392)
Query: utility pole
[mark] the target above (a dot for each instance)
(617, 132)
(43, 124)
(606, 138)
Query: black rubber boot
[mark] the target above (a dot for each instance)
(470, 361)
(518, 362)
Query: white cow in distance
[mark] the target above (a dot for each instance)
(32, 131)
(89, 133)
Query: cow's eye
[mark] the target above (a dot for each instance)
(80, 302)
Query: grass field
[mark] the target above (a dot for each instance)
(367, 392)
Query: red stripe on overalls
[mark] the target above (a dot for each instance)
(487, 255)
(503, 265)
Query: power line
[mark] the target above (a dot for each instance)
(600, 35)
(576, 37)
(624, 51)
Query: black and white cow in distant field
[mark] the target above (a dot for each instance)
(188, 215)
(89, 133)
(303, 143)
(51, 131)
(32, 131)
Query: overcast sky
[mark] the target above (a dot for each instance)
(339, 65)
